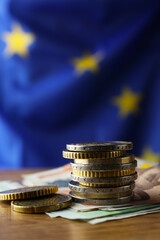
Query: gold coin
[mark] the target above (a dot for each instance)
(93, 155)
(41, 205)
(105, 173)
(110, 161)
(28, 192)
(101, 195)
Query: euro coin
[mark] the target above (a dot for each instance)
(100, 146)
(28, 192)
(41, 205)
(105, 180)
(93, 155)
(77, 187)
(110, 202)
(110, 161)
(103, 173)
(101, 196)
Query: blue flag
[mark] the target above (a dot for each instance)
(77, 71)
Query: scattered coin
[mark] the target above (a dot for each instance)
(28, 192)
(41, 205)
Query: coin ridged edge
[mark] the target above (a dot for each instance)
(87, 195)
(75, 186)
(112, 201)
(29, 209)
(105, 173)
(29, 194)
(105, 180)
(100, 146)
(92, 155)
(103, 167)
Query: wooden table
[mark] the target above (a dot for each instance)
(40, 226)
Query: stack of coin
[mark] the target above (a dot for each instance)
(37, 199)
(103, 173)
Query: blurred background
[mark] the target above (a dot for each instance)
(77, 71)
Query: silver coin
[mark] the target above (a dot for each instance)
(105, 180)
(75, 186)
(111, 201)
(100, 146)
(110, 161)
(103, 167)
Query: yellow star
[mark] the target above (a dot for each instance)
(128, 102)
(145, 165)
(17, 41)
(88, 62)
(149, 155)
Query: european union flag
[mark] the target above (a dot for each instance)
(77, 71)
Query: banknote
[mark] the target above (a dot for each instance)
(8, 184)
(72, 214)
(122, 216)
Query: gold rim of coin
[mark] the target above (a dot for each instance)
(101, 196)
(110, 161)
(103, 185)
(109, 202)
(41, 205)
(76, 186)
(28, 192)
(93, 155)
(105, 180)
(100, 146)
(105, 173)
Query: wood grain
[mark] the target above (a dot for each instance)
(17, 226)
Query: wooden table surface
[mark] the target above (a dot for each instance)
(17, 226)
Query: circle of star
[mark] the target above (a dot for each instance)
(128, 102)
(17, 41)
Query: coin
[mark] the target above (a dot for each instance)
(28, 192)
(40, 205)
(102, 195)
(103, 167)
(103, 173)
(109, 161)
(112, 201)
(105, 180)
(75, 186)
(93, 155)
(104, 185)
(100, 146)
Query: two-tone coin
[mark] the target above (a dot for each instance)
(101, 196)
(100, 146)
(103, 173)
(93, 154)
(105, 180)
(28, 192)
(108, 161)
(103, 167)
(112, 201)
(77, 187)
(41, 205)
